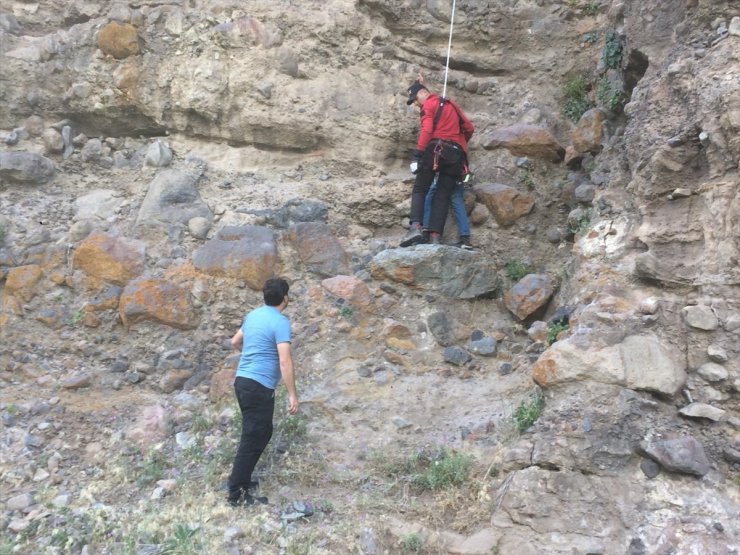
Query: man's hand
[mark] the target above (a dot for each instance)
(415, 159)
(292, 404)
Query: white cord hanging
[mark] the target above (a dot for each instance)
(449, 47)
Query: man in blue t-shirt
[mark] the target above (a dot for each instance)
(264, 341)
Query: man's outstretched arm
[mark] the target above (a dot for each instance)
(286, 370)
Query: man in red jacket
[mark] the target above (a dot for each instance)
(442, 148)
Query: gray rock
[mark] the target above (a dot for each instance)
(682, 454)
(265, 89)
(19, 502)
(172, 197)
(158, 154)
(554, 236)
(649, 468)
(717, 354)
(25, 167)
(100, 204)
(505, 368)
(702, 410)
(441, 328)
(734, 27)
(731, 455)
(456, 355)
(701, 317)
(9, 24)
(401, 423)
(93, 151)
(485, 346)
(585, 193)
(199, 226)
(713, 372)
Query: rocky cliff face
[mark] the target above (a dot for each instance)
(576, 376)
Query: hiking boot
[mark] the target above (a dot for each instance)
(247, 500)
(464, 243)
(413, 237)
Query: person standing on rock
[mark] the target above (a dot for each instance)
(264, 342)
(442, 149)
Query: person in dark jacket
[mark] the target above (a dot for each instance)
(442, 148)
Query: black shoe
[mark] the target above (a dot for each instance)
(250, 500)
(464, 243)
(413, 237)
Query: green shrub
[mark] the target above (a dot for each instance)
(412, 542)
(609, 97)
(529, 411)
(576, 98)
(292, 427)
(447, 470)
(583, 223)
(554, 330)
(182, 542)
(592, 7)
(612, 52)
(516, 270)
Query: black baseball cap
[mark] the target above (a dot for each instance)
(413, 91)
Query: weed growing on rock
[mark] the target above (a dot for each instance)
(554, 330)
(345, 312)
(576, 98)
(592, 8)
(412, 543)
(525, 178)
(516, 270)
(152, 467)
(583, 223)
(608, 96)
(450, 469)
(529, 411)
(612, 53)
(2, 235)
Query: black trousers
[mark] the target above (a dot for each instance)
(450, 161)
(257, 404)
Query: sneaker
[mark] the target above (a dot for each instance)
(413, 237)
(464, 243)
(434, 239)
(250, 500)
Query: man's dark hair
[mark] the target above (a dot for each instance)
(274, 291)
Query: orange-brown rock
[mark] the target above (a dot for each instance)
(528, 295)
(111, 258)
(507, 204)
(397, 336)
(573, 159)
(126, 78)
(156, 300)
(589, 132)
(240, 252)
(222, 382)
(525, 140)
(349, 288)
(119, 40)
(318, 249)
(21, 281)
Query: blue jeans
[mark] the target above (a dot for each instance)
(458, 208)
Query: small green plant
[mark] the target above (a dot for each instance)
(516, 270)
(292, 428)
(529, 411)
(608, 96)
(182, 542)
(525, 178)
(582, 224)
(591, 8)
(412, 543)
(449, 469)
(612, 52)
(345, 312)
(77, 316)
(2, 235)
(152, 467)
(590, 38)
(553, 330)
(576, 98)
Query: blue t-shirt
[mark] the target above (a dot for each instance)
(263, 329)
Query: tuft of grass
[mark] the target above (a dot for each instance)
(516, 270)
(576, 98)
(182, 542)
(553, 330)
(592, 8)
(529, 411)
(612, 53)
(412, 543)
(525, 178)
(151, 468)
(450, 469)
(345, 312)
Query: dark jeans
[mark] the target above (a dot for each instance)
(450, 162)
(257, 404)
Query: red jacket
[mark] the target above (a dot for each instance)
(453, 125)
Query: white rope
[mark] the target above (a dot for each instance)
(449, 47)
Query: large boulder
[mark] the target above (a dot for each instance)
(349, 288)
(172, 198)
(157, 300)
(507, 204)
(589, 133)
(318, 249)
(248, 253)
(25, 167)
(532, 141)
(454, 272)
(640, 362)
(110, 258)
